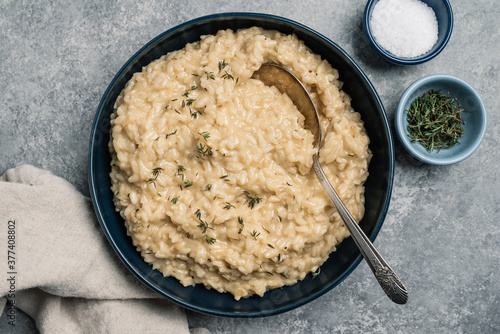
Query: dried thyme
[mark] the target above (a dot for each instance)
(435, 121)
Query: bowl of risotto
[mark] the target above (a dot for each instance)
(201, 175)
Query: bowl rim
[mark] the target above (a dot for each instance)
(93, 186)
(402, 60)
(401, 121)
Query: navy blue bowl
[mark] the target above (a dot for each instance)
(340, 264)
(444, 16)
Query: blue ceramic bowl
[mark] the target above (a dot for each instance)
(474, 117)
(444, 16)
(340, 264)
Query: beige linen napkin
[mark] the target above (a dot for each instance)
(63, 272)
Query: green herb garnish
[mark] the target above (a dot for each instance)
(253, 200)
(227, 76)
(194, 113)
(180, 169)
(229, 206)
(204, 150)
(254, 234)
(316, 273)
(222, 65)
(210, 241)
(203, 225)
(435, 121)
(210, 75)
(156, 172)
(174, 200)
(240, 221)
(186, 93)
(204, 134)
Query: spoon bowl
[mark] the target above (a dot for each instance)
(286, 82)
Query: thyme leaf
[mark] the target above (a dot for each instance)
(204, 134)
(204, 150)
(170, 134)
(210, 241)
(254, 234)
(210, 75)
(229, 206)
(195, 113)
(203, 225)
(222, 65)
(240, 221)
(155, 172)
(226, 75)
(253, 199)
(180, 169)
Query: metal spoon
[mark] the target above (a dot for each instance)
(275, 75)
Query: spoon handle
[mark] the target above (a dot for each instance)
(386, 277)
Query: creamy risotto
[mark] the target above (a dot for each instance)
(211, 169)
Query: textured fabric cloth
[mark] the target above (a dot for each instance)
(63, 272)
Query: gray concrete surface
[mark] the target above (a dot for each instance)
(442, 231)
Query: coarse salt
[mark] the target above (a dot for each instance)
(405, 28)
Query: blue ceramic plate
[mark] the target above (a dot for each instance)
(474, 116)
(340, 264)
